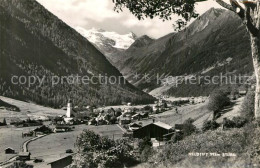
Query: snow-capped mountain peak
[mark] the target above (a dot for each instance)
(100, 37)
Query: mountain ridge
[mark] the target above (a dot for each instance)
(210, 39)
(36, 42)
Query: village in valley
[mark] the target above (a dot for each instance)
(44, 139)
(129, 83)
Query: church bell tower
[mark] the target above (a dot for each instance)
(69, 109)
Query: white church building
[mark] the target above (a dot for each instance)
(70, 113)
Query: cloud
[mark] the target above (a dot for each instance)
(100, 14)
(76, 12)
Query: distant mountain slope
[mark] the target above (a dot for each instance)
(109, 43)
(142, 42)
(34, 42)
(215, 42)
(101, 37)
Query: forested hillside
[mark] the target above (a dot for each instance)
(34, 42)
(216, 42)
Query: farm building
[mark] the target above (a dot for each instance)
(134, 126)
(153, 130)
(61, 163)
(242, 92)
(62, 128)
(28, 134)
(9, 150)
(124, 120)
(136, 116)
(144, 114)
(23, 156)
(92, 122)
(128, 110)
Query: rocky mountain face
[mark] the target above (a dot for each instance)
(216, 42)
(109, 43)
(36, 43)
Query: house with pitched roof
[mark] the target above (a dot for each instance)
(153, 130)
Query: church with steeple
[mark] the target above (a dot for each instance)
(70, 113)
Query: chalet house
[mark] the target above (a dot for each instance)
(153, 130)
(9, 150)
(144, 114)
(156, 107)
(134, 126)
(82, 115)
(124, 120)
(57, 120)
(102, 122)
(137, 117)
(92, 122)
(178, 129)
(61, 163)
(24, 156)
(242, 92)
(128, 110)
(62, 128)
(28, 134)
(140, 116)
(101, 119)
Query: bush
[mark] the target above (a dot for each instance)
(239, 122)
(236, 122)
(247, 110)
(95, 151)
(146, 153)
(188, 127)
(19, 164)
(3, 123)
(217, 101)
(143, 143)
(118, 113)
(210, 125)
(236, 141)
(113, 120)
(227, 123)
(44, 129)
(177, 137)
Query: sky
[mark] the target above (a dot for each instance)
(100, 14)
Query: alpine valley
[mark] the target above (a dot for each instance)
(217, 42)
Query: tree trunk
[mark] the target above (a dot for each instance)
(256, 63)
(255, 49)
(250, 14)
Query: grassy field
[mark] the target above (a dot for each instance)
(54, 146)
(11, 137)
(28, 110)
(198, 112)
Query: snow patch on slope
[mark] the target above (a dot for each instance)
(99, 36)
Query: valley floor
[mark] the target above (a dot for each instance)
(28, 109)
(54, 146)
